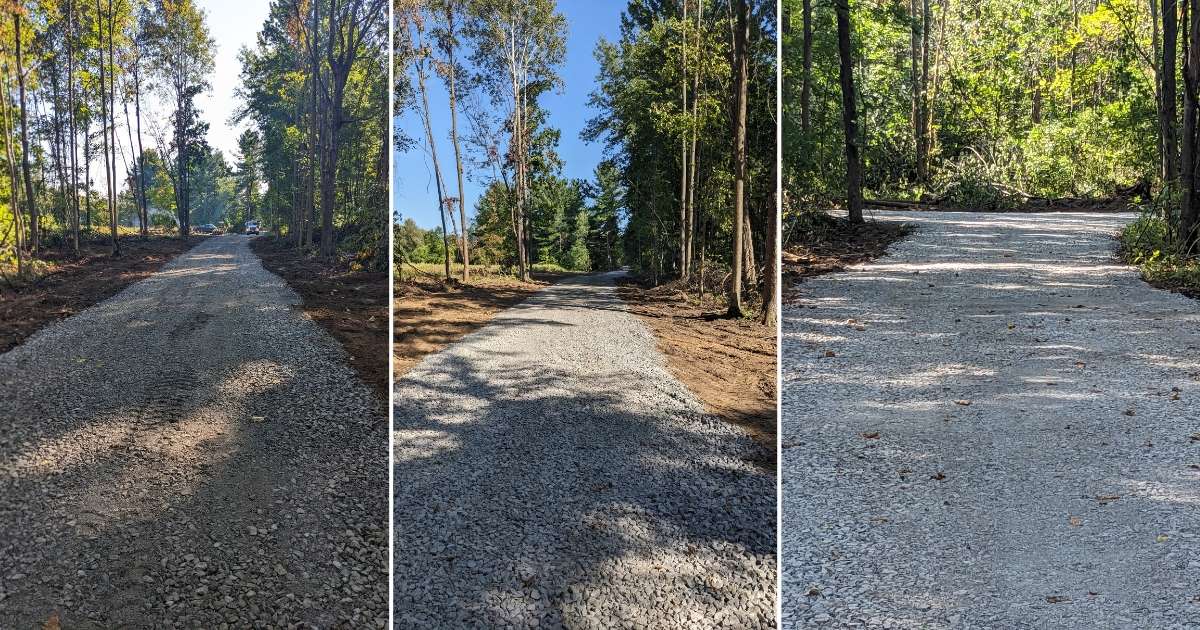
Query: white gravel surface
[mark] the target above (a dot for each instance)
(994, 426)
(550, 472)
(192, 452)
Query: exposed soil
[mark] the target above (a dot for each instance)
(73, 284)
(828, 244)
(350, 305)
(730, 364)
(431, 313)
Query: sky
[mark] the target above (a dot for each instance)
(232, 24)
(414, 191)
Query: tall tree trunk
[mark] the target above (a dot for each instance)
(462, 195)
(112, 119)
(34, 218)
(104, 121)
(691, 200)
(87, 172)
(770, 286)
(683, 151)
(72, 128)
(806, 68)
(741, 69)
(14, 198)
(1189, 211)
(437, 168)
(1169, 118)
(143, 205)
(854, 195)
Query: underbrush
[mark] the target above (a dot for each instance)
(1151, 244)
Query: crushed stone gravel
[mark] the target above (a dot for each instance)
(996, 425)
(192, 452)
(550, 472)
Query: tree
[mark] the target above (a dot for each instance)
(518, 46)
(448, 41)
(180, 51)
(854, 195)
(741, 77)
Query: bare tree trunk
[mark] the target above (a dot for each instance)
(112, 213)
(741, 76)
(72, 128)
(112, 120)
(806, 72)
(691, 199)
(34, 219)
(453, 85)
(14, 188)
(1168, 120)
(418, 64)
(1189, 211)
(143, 205)
(683, 154)
(770, 285)
(854, 196)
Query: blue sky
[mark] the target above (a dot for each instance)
(414, 190)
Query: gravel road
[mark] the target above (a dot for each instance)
(994, 426)
(192, 452)
(550, 472)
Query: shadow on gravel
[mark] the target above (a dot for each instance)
(991, 433)
(521, 496)
(151, 436)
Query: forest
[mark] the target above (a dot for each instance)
(113, 86)
(974, 103)
(683, 113)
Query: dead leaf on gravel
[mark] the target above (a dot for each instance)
(829, 354)
(52, 623)
(1080, 364)
(964, 403)
(871, 435)
(1075, 521)
(1057, 599)
(1105, 499)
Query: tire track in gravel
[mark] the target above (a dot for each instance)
(192, 452)
(550, 472)
(999, 437)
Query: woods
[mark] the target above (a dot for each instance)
(114, 86)
(984, 104)
(682, 111)
(315, 88)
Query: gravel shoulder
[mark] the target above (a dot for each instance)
(192, 452)
(550, 471)
(995, 425)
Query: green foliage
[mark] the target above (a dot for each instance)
(1023, 102)
(1152, 244)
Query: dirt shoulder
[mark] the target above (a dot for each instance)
(431, 313)
(826, 244)
(729, 364)
(350, 305)
(70, 285)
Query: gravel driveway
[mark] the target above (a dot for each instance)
(994, 426)
(191, 452)
(550, 471)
